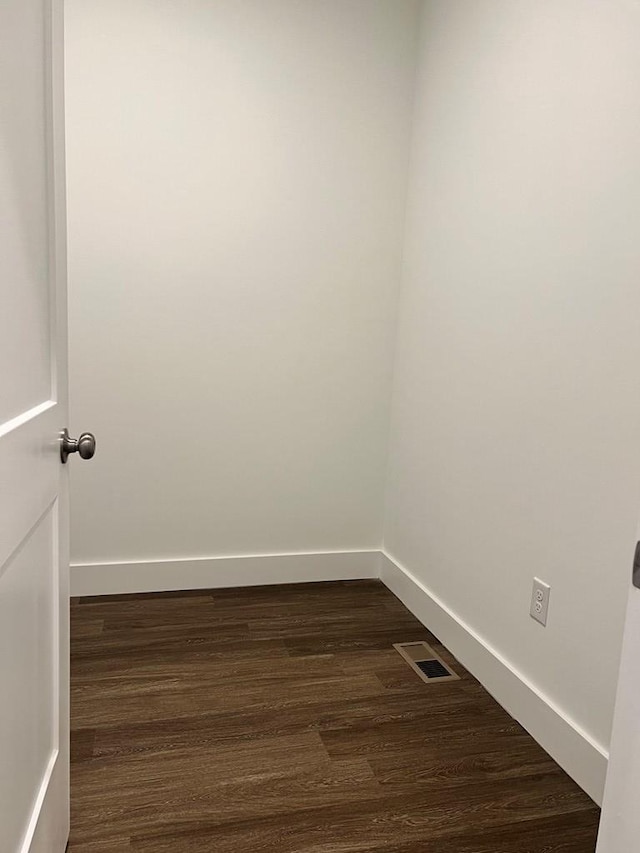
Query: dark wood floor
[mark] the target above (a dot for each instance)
(280, 720)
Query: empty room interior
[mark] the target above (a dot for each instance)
(353, 315)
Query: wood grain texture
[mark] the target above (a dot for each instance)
(281, 720)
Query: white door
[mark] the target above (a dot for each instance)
(34, 629)
(620, 823)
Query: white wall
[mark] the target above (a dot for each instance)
(237, 184)
(516, 420)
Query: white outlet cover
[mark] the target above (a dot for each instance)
(540, 601)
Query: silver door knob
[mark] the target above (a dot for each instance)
(85, 445)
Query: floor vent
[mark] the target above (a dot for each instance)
(425, 662)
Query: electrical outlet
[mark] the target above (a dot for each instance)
(540, 601)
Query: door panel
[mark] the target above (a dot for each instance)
(34, 596)
(28, 655)
(24, 230)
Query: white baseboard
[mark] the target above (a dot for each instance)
(582, 758)
(219, 572)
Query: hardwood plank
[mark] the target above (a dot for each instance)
(82, 745)
(111, 844)
(88, 628)
(374, 823)
(572, 833)
(124, 736)
(215, 785)
(148, 699)
(95, 660)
